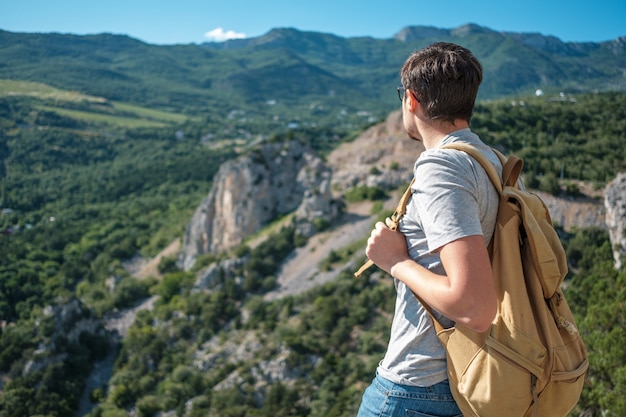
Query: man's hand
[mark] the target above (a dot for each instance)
(386, 247)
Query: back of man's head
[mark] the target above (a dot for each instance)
(445, 78)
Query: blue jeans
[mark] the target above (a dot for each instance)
(384, 398)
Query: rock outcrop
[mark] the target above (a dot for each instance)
(381, 156)
(615, 203)
(248, 192)
(575, 212)
(71, 321)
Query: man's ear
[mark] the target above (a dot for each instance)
(413, 101)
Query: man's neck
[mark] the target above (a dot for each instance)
(433, 134)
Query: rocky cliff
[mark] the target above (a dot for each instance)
(273, 180)
(615, 203)
(381, 156)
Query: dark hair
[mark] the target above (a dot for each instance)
(445, 78)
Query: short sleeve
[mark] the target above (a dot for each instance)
(446, 197)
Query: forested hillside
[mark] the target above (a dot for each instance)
(289, 76)
(80, 198)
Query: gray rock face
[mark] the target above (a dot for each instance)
(250, 191)
(615, 203)
(382, 156)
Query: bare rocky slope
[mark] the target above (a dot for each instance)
(274, 180)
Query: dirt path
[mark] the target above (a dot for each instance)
(142, 268)
(301, 270)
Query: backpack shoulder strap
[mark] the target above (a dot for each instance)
(395, 217)
(401, 208)
(511, 169)
(511, 166)
(543, 241)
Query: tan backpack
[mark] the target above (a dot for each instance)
(531, 361)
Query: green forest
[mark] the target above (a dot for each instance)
(80, 195)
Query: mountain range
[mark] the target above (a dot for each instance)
(306, 75)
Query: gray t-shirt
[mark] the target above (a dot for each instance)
(452, 197)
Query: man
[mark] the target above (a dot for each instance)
(440, 249)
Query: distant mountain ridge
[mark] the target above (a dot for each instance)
(546, 43)
(301, 71)
(534, 40)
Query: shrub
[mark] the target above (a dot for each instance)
(363, 192)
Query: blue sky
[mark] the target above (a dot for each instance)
(196, 21)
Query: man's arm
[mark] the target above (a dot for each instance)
(466, 294)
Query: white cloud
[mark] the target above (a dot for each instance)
(219, 35)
